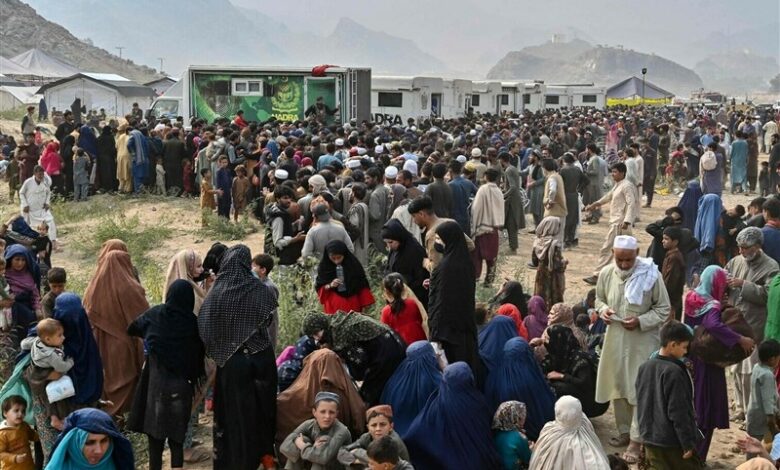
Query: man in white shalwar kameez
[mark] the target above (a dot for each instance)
(632, 300)
(35, 197)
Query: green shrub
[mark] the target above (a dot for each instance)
(220, 228)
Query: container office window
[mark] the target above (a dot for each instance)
(526, 98)
(504, 99)
(474, 100)
(551, 99)
(390, 100)
(588, 98)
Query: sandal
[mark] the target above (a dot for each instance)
(631, 458)
(619, 441)
(196, 455)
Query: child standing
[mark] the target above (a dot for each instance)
(673, 270)
(46, 353)
(207, 193)
(189, 190)
(12, 174)
(509, 437)
(261, 268)
(225, 186)
(763, 406)
(58, 279)
(240, 189)
(665, 412)
(159, 179)
(317, 441)
(402, 314)
(730, 225)
(763, 180)
(6, 316)
(80, 176)
(380, 424)
(15, 436)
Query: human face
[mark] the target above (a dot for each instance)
(773, 362)
(18, 263)
(625, 259)
(617, 176)
(676, 349)
(337, 259)
(392, 245)
(749, 252)
(668, 243)
(420, 218)
(55, 340)
(56, 288)
(284, 202)
(379, 427)
(676, 218)
(15, 415)
(38, 176)
(197, 270)
(374, 465)
(325, 413)
(95, 447)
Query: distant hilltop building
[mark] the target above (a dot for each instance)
(558, 38)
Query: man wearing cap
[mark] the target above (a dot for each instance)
(28, 122)
(632, 300)
(750, 274)
(554, 197)
(476, 158)
(622, 212)
(397, 191)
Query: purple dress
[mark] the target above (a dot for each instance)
(709, 381)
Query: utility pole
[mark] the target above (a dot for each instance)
(120, 50)
(161, 64)
(644, 72)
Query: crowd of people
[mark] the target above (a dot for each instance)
(432, 379)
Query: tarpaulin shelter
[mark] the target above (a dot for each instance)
(114, 93)
(9, 67)
(629, 93)
(41, 64)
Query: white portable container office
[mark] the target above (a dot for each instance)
(394, 100)
(456, 98)
(532, 98)
(484, 97)
(575, 96)
(556, 97)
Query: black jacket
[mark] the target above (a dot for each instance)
(665, 405)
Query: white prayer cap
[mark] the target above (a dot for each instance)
(281, 174)
(472, 132)
(391, 172)
(353, 164)
(411, 167)
(361, 150)
(339, 142)
(461, 158)
(476, 152)
(625, 242)
(379, 149)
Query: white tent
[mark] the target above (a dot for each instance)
(114, 93)
(41, 64)
(9, 67)
(12, 97)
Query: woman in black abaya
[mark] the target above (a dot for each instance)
(233, 323)
(451, 300)
(106, 160)
(406, 257)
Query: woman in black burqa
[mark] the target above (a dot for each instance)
(173, 369)
(233, 323)
(106, 160)
(451, 319)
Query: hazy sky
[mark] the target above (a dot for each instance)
(450, 28)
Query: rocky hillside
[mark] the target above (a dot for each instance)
(737, 72)
(22, 28)
(578, 62)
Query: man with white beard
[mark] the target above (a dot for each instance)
(632, 300)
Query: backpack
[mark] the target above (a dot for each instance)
(709, 161)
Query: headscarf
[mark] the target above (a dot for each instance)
(80, 345)
(22, 281)
(510, 416)
(170, 333)
(314, 322)
(113, 244)
(569, 441)
(708, 221)
(323, 371)
(547, 239)
(355, 278)
(536, 321)
(518, 377)
(141, 146)
(452, 287)
(213, 258)
(412, 383)
(67, 453)
(453, 429)
(512, 293)
(317, 183)
(645, 274)
(87, 141)
(709, 292)
(563, 314)
(114, 298)
(347, 329)
(407, 260)
(181, 266)
(237, 310)
(689, 203)
(492, 339)
(509, 310)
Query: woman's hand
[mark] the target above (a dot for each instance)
(334, 284)
(747, 344)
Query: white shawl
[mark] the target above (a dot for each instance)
(487, 210)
